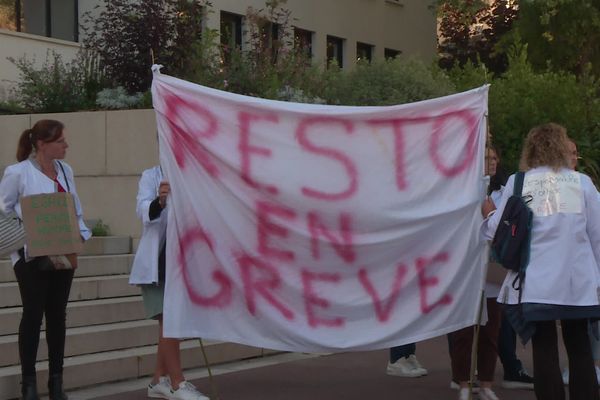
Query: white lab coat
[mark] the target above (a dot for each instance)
(24, 179)
(145, 263)
(564, 255)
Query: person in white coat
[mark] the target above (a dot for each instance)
(148, 271)
(562, 279)
(461, 341)
(43, 292)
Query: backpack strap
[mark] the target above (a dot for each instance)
(517, 283)
(518, 184)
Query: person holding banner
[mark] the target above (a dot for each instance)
(562, 278)
(515, 375)
(148, 271)
(461, 341)
(43, 292)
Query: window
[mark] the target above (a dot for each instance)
(270, 38)
(391, 53)
(364, 52)
(303, 41)
(51, 18)
(335, 50)
(231, 34)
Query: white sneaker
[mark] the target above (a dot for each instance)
(456, 386)
(413, 360)
(186, 391)
(487, 394)
(160, 390)
(406, 367)
(463, 394)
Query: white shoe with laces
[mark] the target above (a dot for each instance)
(463, 394)
(487, 394)
(416, 364)
(187, 391)
(456, 386)
(406, 367)
(160, 390)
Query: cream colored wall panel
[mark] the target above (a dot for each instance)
(112, 199)
(17, 45)
(415, 35)
(11, 127)
(131, 141)
(86, 136)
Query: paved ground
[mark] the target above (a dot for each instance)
(347, 376)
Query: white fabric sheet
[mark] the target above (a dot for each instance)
(320, 228)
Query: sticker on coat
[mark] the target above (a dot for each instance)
(553, 193)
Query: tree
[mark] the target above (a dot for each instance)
(127, 34)
(470, 31)
(562, 34)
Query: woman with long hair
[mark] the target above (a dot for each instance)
(43, 292)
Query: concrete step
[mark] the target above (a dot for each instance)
(94, 369)
(88, 340)
(83, 288)
(107, 245)
(88, 266)
(83, 313)
(104, 245)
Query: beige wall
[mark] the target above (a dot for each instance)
(407, 25)
(17, 45)
(108, 150)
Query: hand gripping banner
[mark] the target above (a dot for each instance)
(320, 228)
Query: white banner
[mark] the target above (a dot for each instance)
(320, 228)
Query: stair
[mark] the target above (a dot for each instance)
(108, 338)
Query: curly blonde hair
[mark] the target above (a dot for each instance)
(545, 145)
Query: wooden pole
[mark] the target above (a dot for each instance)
(213, 385)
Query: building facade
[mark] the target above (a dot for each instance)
(340, 30)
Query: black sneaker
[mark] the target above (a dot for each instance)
(520, 380)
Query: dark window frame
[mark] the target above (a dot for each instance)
(48, 31)
(231, 39)
(303, 40)
(391, 53)
(335, 50)
(368, 50)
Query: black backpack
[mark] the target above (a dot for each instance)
(511, 243)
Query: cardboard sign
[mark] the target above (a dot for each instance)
(51, 225)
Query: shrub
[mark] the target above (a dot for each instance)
(385, 82)
(521, 99)
(100, 229)
(118, 98)
(58, 85)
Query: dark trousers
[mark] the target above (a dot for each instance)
(507, 349)
(461, 343)
(403, 351)
(42, 293)
(547, 381)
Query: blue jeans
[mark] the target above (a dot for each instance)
(402, 351)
